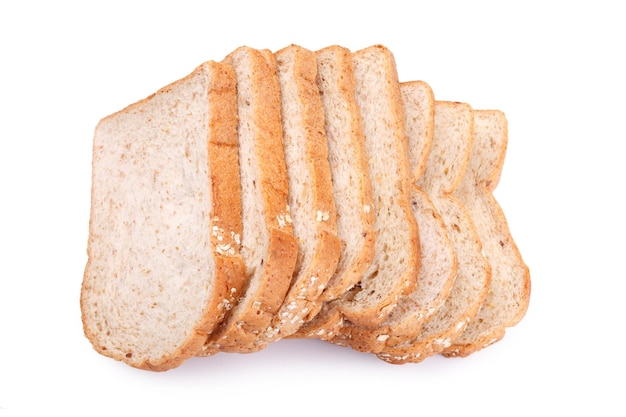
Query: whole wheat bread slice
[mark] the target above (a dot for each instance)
(352, 188)
(394, 269)
(452, 142)
(509, 292)
(311, 201)
(165, 174)
(439, 262)
(269, 247)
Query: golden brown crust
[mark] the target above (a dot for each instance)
(303, 303)
(415, 311)
(226, 224)
(432, 341)
(268, 120)
(241, 335)
(324, 326)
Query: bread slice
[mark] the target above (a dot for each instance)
(165, 174)
(311, 201)
(439, 262)
(352, 188)
(269, 247)
(394, 269)
(508, 296)
(444, 170)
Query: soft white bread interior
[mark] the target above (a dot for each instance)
(165, 173)
(509, 292)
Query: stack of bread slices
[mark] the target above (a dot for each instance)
(298, 194)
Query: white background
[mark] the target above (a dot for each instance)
(555, 68)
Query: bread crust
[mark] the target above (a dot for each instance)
(226, 224)
(240, 334)
(326, 324)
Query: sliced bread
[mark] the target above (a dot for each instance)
(352, 188)
(419, 107)
(507, 299)
(269, 247)
(311, 201)
(444, 170)
(393, 271)
(165, 174)
(439, 263)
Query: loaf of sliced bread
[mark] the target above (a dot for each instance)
(165, 174)
(298, 194)
(509, 292)
(311, 201)
(439, 263)
(452, 142)
(393, 271)
(352, 188)
(439, 260)
(269, 247)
